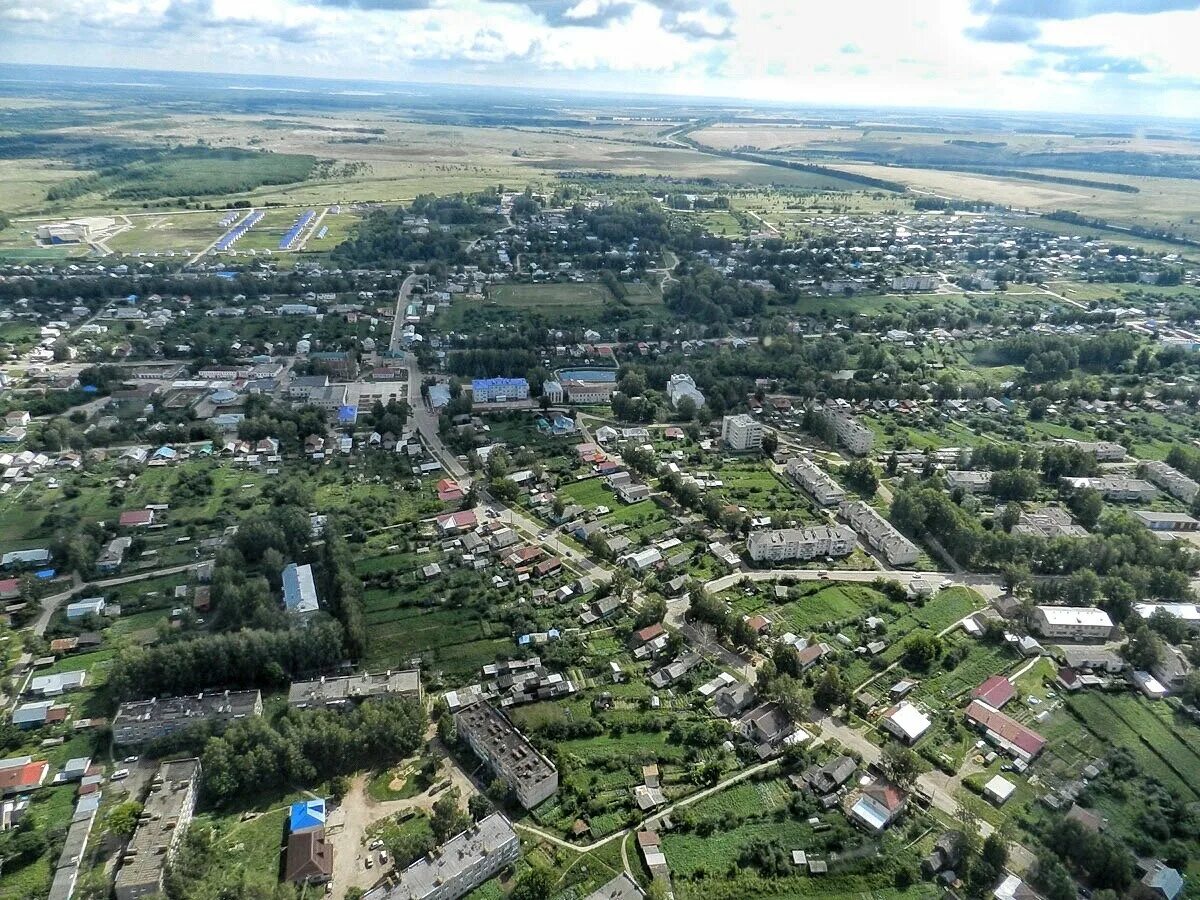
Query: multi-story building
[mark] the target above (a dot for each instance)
(816, 481)
(800, 543)
(336, 693)
(683, 387)
(495, 740)
(851, 434)
(142, 721)
(1104, 451)
(457, 867)
(496, 390)
(742, 432)
(973, 482)
(589, 391)
(1166, 521)
(161, 826)
(1115, 487)
(1074, 622)
(880, 533)
(552, 391)
(1171, 480)
(914, 282)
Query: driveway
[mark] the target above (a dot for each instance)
(356, 813)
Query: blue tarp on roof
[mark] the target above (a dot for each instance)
(45, 574)
(307, 814)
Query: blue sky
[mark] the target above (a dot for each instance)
(1090, 56)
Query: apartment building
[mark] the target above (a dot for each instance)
(800, 543)
(142, 721)
(816, 481)
(161, 826)
(458, 866)
(496, 390)
(1072, 622)
(851, 434)
(742, 432)
(1171, 480)
(339, 693)
(973, 482)
(1120, 488)
(880, 533)
(508, 753)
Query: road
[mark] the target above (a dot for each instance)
(51, 603)
(427, 427)
(659, 814)
(987, 585)
(402, 296)
(357, 811)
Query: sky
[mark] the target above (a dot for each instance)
(1125, 57)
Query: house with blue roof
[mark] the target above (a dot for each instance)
(1159, 881)
(306, 814)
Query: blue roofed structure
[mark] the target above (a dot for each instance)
(347, 415)
(487, 390)
(306, 814)
(299, 591)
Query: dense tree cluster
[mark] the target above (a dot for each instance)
(304, 746)
(244, 659)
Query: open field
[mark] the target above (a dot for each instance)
(554, 297)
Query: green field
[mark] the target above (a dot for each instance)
(568, 296)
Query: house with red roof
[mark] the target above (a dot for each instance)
(647, 634)
(10, 588)
(136, 518)
(449, 491)
(457, 523)
(877, 806)
(995, 691)
(21, 774)
(1004, 732)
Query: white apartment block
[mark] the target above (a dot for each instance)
(1073, 622)
(816, 481)
(1115, 487)
(800, 543)
(851, 434)
(742, 432)
(1172, 481)
(880, 533)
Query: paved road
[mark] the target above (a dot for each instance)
(987, 585)
(427, 428)
(401, 302)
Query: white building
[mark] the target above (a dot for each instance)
(905, 721)
(851, 433)
(1115, 487)
(816, 481)
(552, 391)
(973, 482)
(742, 432)
(800, 543)
(880, 533)
(681, 387)
(1074, 622)
(1172, 481)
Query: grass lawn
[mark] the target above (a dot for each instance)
(552, 296)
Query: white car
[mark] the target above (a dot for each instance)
(119, 774)
(131, 759)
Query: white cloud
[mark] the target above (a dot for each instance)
(952, 53)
